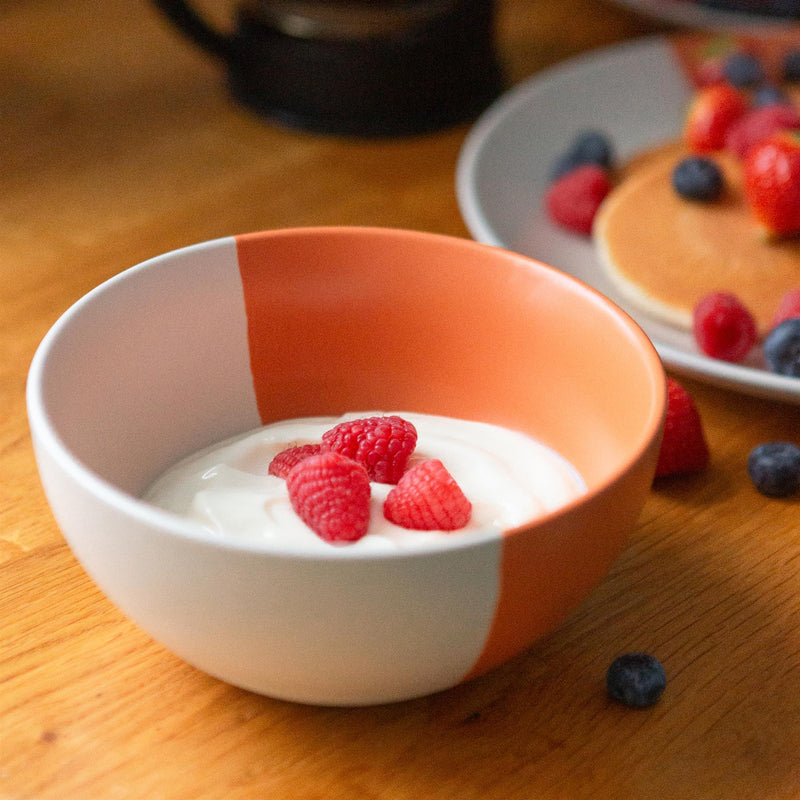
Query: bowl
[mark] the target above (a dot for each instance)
(211, 340)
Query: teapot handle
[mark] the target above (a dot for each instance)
(196, 28)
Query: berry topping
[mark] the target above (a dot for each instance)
(723, 327)
(769, 95)
(757, 126)
(791, 66)
(381, 444)
(283, 462)
(712, 111)
(588, 147)
(782, 348)
(772, 183)
(428, 498)
(683, 447)
(636, 679)
(572, 200)
(697, 178)
(788, 308)
(774, 468)
(331, 494)
(744, 70)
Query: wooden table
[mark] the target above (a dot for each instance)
(118, 142)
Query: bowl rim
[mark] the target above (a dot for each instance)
(171, 524)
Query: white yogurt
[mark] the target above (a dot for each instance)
(509, 478)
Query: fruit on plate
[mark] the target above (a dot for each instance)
(573, 199)
(772, 183)
(723, 327)
(782, 348)
(698, 178)
(711, 113)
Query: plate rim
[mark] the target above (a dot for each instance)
(741, 378)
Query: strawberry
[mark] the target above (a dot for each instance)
(428, 498)
(283, 462)
(788, 308)
(683, 448)
(772, 183)
(573, 199)
(331, 494)
(758, 125)
(723, 327)
(711, 113)
(381, 444)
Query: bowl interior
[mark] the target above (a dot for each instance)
(212, 340)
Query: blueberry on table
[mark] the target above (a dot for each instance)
(697, 178)
(774, 468)
(743, 70)
(636, 680)
(782, 348)
(588, 147)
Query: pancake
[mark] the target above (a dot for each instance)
(664, 253)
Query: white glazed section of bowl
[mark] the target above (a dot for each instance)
(154, 364)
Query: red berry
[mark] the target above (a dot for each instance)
(712, 111)
(573, 199)
(286, 459)
(723, 327)
(758, 125)
(788, 308)
(428, 498)
(710, 71)
(684, 448)
(331, 494)
(381, 444)
(772, 183)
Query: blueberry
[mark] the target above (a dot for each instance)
(697, 178)
(774, 468)
(791, 66)
(769, 95)
(782, 348)
(636, 679)
(588, 147)
(743, 70)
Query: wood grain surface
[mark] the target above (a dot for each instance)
(118, 142)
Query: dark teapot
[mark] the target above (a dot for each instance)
(355, 67)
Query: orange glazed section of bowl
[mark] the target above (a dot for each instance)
(363, 319)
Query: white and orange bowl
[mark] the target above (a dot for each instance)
(205, 342)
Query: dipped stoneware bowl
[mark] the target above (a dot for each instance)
(206, 342)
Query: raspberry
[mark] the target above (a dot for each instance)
(636, 680)
(331, 494)
(788, 308)
(381, 444)
(723, 327)
(428, 498)
(573, 199)
(683, 448)
(281, 465)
